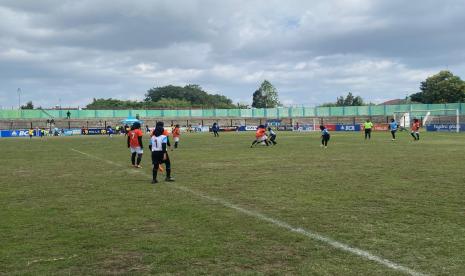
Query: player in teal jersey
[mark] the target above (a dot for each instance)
(393, 126)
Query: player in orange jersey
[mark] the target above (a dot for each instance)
(415, 130)
(176, 135)
(135, 144)
(260, 136)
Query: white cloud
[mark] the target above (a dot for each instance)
(311, 51)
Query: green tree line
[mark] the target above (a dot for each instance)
(189, 96)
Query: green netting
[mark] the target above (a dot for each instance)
(376, 110)
(57, 113)
(258, 112)
(86, 114)
(246, 113)
(296, 112)
(336, 111)
(170, 113)
(271, 113)
(184, 113)
(221, 113)
(309, 112)
(197, 113)
(121, 113)
(208, 113)
(363, 111)
(282, 112)
(234, 112)
(105, 113)
(8, 114)
(322, 111)
(452, 106)
(350, 110)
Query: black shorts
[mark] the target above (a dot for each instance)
(326, 137)
(157, 157)
(367, 130)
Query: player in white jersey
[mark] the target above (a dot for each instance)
(159, 155)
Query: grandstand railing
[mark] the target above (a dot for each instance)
(281, 112)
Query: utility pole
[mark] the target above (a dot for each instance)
(19, 98)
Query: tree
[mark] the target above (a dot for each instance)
(266, 96)
(170, 96)
(443, 87)
(258, 100)
(192, 93)
(349, 100)
(28, 105)
(113, 104)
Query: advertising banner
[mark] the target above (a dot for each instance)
(274, 122)
(381, 127)
(444, 127)
(227, 129)
(16, 133)
(247, 128)
(200, 128)
(331, 127)
(305, 128)
(347, 127)
(70, 132)
(94, 131)
(377, 127)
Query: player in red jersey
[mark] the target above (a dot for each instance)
(135, 144)
(415, 130)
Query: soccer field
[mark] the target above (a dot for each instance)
(73, 205)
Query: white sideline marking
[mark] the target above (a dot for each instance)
(315, 236)
(50, 260)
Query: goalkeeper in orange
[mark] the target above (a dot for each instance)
(260, 136)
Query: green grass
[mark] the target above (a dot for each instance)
(63, 212)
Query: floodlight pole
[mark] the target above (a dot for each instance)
(19, 98)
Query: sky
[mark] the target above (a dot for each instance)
(69, 52)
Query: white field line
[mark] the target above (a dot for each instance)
(51, 260)
(310, 234)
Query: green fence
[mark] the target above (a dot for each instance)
(281, 112)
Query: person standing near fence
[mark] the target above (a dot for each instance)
(368, 126)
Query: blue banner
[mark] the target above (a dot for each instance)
(95, 131)
(347, 127)
(444, 127)
(16, 133)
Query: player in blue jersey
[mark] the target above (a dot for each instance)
(393, 126)
(324, 136)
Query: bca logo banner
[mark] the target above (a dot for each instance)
(346, 128)
(19, 133)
